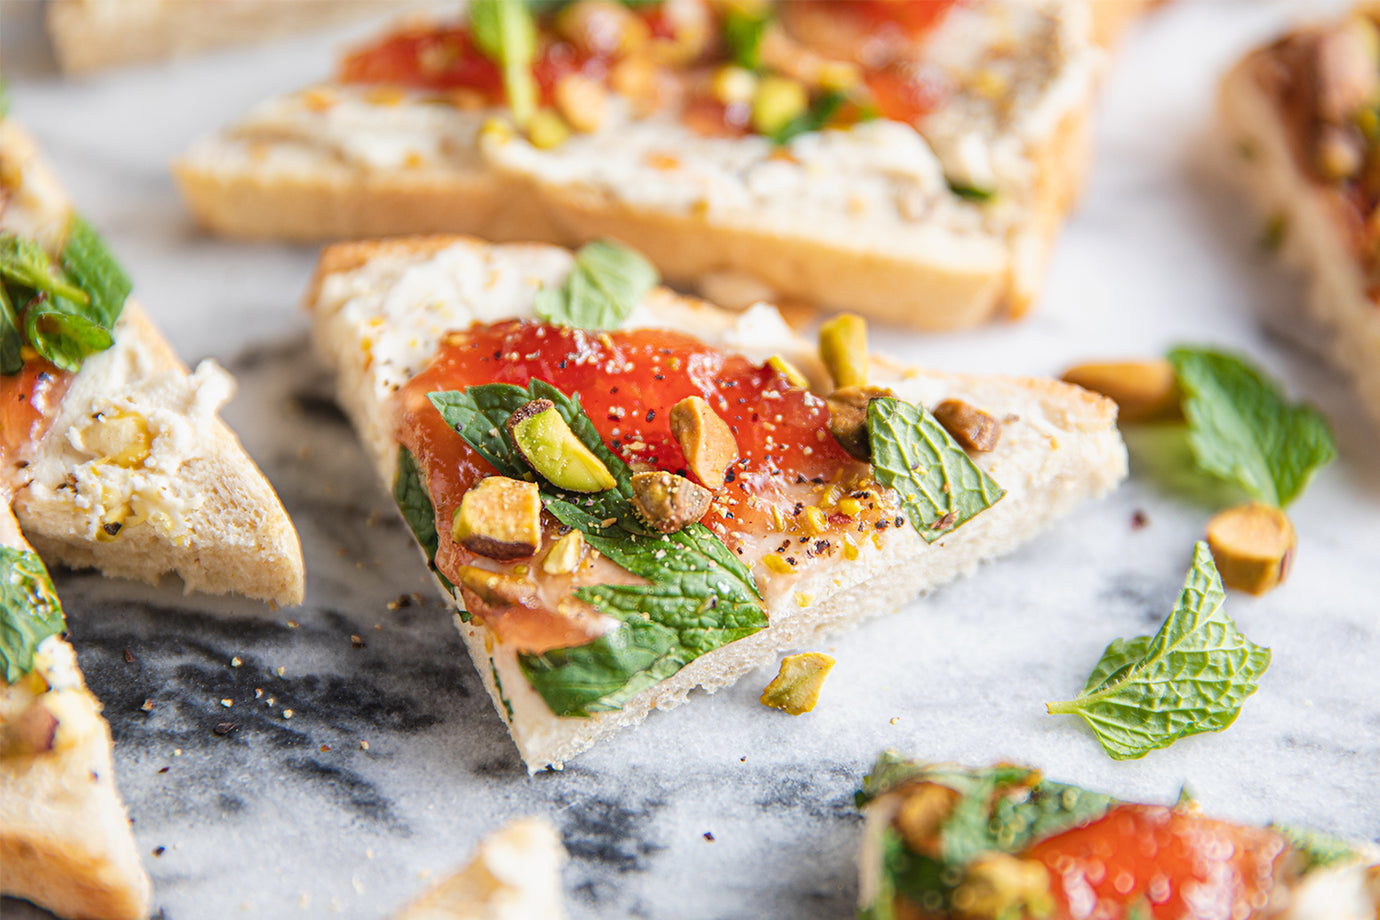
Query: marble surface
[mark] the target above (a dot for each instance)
(287, 817)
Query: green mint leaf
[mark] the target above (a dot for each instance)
(1192, 676)
(1319, 850)
(969, 192)
(506, 33)
(699, 597)
(410, 494)
(1242, 430)
(64, 336)
(29, 610)
(11, 338)
(820, 113)
(606, 283)
(23, 263)
(940, 486)
(744, 29)
(89, 260)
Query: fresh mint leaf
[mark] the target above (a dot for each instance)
(744, 29)
(605, 285)
(1319, 850)
(699, 596)
(1242, 430)
(506, 33)
(29, 610)
(1192, 676)
(939, 484)
(819, 114)
(11, 338)
(89, 260)
(417, 510)
(64, 336)
(23, 263)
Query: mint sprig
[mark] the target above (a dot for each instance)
(29, 611)
(1241, 428)
(605, 285)
(414, 502)
(1192, 676)
(506, 33)
(939, 484)
(698, 598)
(65, 309)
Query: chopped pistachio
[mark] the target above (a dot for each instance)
(843, 348)
(547, 130)
(499, 518)
(922, 815)
(669, 502)
(795, 689)
(494, 589)
(998, 885)
(1253, 546)
(788, 370)
(777, 100)
(564, 555)
(548, 445)
(1142, 390)
(970, 426)
(705, 439)
(778, 564)
(848, 418)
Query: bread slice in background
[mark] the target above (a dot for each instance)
(192, 503)
(515, 874)
(1314, 226)
(380, 310)
(862, 218)
(90, 35)
(65, 842)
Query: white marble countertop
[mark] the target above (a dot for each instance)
(288, 818)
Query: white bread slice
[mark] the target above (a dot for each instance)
(515, 874)
(90, 35)
(859, 219)
(1346, 890)
(1315, 237)
(380, 311)
(65, 842)
(196, 505)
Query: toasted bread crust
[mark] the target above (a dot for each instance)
(1337, 305)
(1058, 448)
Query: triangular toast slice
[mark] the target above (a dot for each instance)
(801, 539)
(939, 214)
(132, 471)
(65, 842)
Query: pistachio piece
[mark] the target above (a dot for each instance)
(547, 130)
(493, 589)
(795, 689)
(1253, 546)
(669, 502)
(970, 426)
(848, 418)
(1143, 391)
(843, 348)
(705, 439)
(500, 518)
(565, 554)
(777, 100)
(548, 445)
(998, 885)
(922, 815)
(788, 370)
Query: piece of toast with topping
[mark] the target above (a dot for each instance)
(912, 161)
(1303, 117)
(629, 503)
